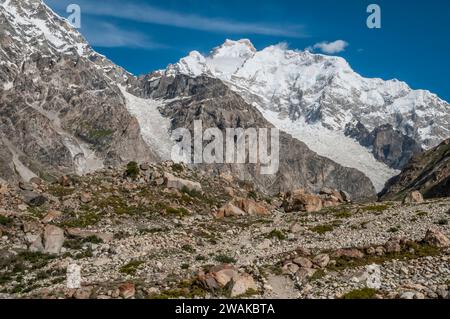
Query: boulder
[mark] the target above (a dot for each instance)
(300, 200)
(434, 237)
(85, 198)
(127, 290)
(393, 245)
(321, 260)
(414, 197)
(33, 199)
(303, 262)
(250, 207)
(73, 276)
(179, 183)
(65, 181)
(53, 239)
(242, 284)
(51, 216)
(351, 253)
(229, 210)
(82, 233)
(83, 293)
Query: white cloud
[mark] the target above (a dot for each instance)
(329, 47)
(110, 36)
(153, 15)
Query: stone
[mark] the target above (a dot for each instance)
(65, 181)
(407, 295)
(290, 268)
(33, 199)
(302, 201)
(85, 198)
(144, 167)
(229, 210)
(3, 188)
(127, 290)
(53, 239)
(26, 186)
(179, 183)
(303, 262)
(434, 237)
(414, 197)
(305, 273)
(296, 228)
(321, 260)
(372, 276)
(82, 233)
(225, 275)
(250, 207)
(36, 181)
(73, 276)
(351, 253)
(83, 293)
(229, 191)
(51, 216)
(35, 241)
(242, 284)
(393, 245)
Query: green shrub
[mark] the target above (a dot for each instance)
(322, 229)
(365, 293)
(6, 221)
(224, 259)
(276, 234)
(131, 267)
(132, 170)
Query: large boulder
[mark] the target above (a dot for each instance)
(414, 197)
(250, 207)
(179, 183)
(300, 200)
(434, 237)
(53, 239)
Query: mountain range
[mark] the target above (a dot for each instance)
(65, 109)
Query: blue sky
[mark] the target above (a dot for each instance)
(413, 44)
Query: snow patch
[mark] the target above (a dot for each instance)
(154, 127)
(335, 146)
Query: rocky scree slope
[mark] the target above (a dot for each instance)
(428, 173)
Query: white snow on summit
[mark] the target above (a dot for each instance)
(304, 89)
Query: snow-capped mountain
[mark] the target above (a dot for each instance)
(319, 99)
(64, 109)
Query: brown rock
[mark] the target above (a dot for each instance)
(321, 260)
(303, 262)
(302, 201)
(229, 210)
(127, 290)
(413, 198)
(393, 245)
(53, 239)
(83, 293)
(65, 181)
(51, 216)
(85, 198)
(434, 237)
(351, 253)
(242, 284)
(250, 206)
(179, 183)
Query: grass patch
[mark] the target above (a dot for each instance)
(131, 267)
(177, 168)
(278, 234)
(422, 214)
(60, 191)
(6, 221)
(132, 170)
(365, 293)
(343, 214)
(442, 222)
(224, 259)
(188, 248)
(177, 211)
(376, 209)
(322, 229)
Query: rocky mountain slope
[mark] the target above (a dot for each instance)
(60, 111)
(300, 91)
(66, 109)
(166, 231)
(428, 173)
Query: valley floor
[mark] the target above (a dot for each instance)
(134, 251)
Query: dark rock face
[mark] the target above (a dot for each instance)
(428, 172)
(216, 105)
(60, 111)
(388, 145)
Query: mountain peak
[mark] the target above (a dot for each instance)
(234, 49)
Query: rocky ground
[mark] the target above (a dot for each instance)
(165, 231)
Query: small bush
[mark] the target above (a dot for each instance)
(442, 222)
(131, 267)
(277, 234)
(6, 221)
(132, 170)
(322, 229)
(188, 248)
(224, 259)
(177, 168)
(365, 293)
